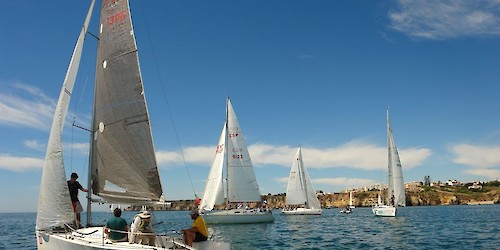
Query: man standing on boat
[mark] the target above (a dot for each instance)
(74, 186)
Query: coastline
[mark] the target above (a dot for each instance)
(428, 196)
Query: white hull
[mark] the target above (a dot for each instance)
(345, 211)
(301, 211)
(384, 211)
(92, 238)
(237, 216)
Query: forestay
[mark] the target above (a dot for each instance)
(54, 202)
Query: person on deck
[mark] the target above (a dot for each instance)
(116, 227)
(74, 186)
(142, 229)
(198, 231)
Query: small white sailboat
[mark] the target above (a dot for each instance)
(123, 167)
(396, 191)
(301, 197)
(241, 188)
(349, 208)
(351, 200)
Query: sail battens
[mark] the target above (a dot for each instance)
(123, 153)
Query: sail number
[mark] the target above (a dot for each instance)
(219, 148)
(117, 17)
(237, 156)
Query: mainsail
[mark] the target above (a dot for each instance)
(396, 183)
(123, 163)
(54, 203)
(300, 190)
(241, 180)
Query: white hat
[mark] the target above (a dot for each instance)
(145, 214)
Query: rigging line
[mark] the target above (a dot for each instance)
(166, 98)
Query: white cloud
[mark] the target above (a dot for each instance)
(305, 57)
(26, 106)
(346, 182)
(477, 156)
(200, 155)
(82, 148)
(20, 164)
(355, 154)
(491, 174)
(440, 19)
(33, 144)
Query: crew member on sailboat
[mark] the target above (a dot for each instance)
(74, 186)
(198, 231)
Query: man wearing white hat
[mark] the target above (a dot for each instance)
(142, 229)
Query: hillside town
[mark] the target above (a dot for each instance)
(426, 193)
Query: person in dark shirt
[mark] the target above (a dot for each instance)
(74, 186)
(116, 227)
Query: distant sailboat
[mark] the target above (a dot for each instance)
(241, 188)
(396, 190)
(122, 161)
(301, 197)
(349, 208)
(351, 200)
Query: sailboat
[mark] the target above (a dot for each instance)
(349, 208)
(396, 191)
(351, 200)
(123, 167)
(241, 186)
(301, 197)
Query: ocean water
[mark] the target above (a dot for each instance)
(432, 227)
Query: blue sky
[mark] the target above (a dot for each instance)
(315, 74)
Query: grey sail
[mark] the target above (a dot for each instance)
(123, 162)
(396, 183)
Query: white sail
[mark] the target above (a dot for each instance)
(395, 188)
(214, 188)
(351, 200)
(54, 203)
(396, 182)
(242, 183)
(300, 190)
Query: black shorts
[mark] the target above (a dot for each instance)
(199, 237)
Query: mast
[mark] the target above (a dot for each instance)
(226, 157)
(302, 179)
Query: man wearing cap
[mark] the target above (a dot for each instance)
(198, 231)
(142, 229)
